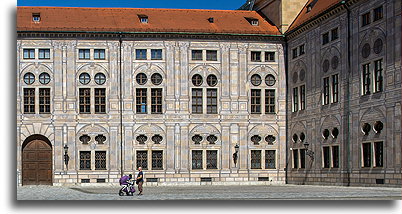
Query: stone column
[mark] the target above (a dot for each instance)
(243, 156)
(69, 75)
(226, 155)
(177, 152)
(58, 76)
(184, 147)
(170, 78)
(170, 144)
(225, 78)
(128, 149)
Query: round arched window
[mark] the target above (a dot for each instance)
(325, 65)
(378, 46)
(197, 80)
(100, 79)
(141, 78)
(156, 79)
(85, 78)
(256, 80)
(29, 78)
(270, 80)
(212, 80)
(44, 78)
(366, 50)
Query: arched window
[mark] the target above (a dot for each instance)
(44, 78)
(29, 78)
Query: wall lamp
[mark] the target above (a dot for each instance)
(66, 157)
(236, 154)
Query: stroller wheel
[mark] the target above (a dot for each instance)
(121, 193)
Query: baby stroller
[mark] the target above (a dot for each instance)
(127, 185)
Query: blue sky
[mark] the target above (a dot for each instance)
(180, 4)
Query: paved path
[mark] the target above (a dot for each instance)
(284, 192)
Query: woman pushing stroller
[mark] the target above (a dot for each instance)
(127, 185)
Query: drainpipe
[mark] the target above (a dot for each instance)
(121, 106)
(347, 101)
(286, 110)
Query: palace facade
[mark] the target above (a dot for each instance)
(280, 91)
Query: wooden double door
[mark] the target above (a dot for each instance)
(37, 163)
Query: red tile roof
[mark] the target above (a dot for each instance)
(318, 6)
(71, 19)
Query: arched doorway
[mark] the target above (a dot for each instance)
(36, 161)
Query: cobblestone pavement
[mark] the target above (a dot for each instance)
(282, 192)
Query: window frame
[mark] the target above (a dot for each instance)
(141, 54)
(84, 54)
(45, 52)
(29, 100)
(378, 13)
(156, 54)
(44, 100)
(100, 100)
(102, 160)
(98, 52)
(28, 53)
(84, 101)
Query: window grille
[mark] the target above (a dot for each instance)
(44, 78)
(141, 78)
(44, 100)
(366, 79)
(256, 159)
(29, 78)
(256, 80)
(85, 100)
(196, 97)
(326, 90)
(157, 160)
(85, 160)
(255, 101)
(212, 101)
(270, 159)
(366, 154)
(212, 80)
(196, 159)
(100, 100)
(100, 160)
(302, 97)
(295, 99)
(85, 139)
(212, 159)
(197, 139)
(196, 54)
(142, 159)
(29, 100)
(270, 139)
(141, 100)
(100, 138)
(378, 154)
(212, 139)
(157, 139)
(156, 79)
(141, 139)
(270, 80)
(335, 90)
(256, 139)
(156, 101)
(269, 101)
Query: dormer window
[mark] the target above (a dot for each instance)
(143, 18)
(309, 7)
(253, 21)
(36, 17)
(211, 20)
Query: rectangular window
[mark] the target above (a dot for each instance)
(99, 54)
(270, 159)
(44, 100)
(334, 34)
(141, 100)
(366, 19)
(269, 101)
(255, 56)
(269, 56)
(44, 53)
(36, 17)
(141, 54)
(335, 156)
(196, 159)
(156, 54)
(295, 158)
(325, 152)
(29, 101)
(85, 160)
(100, 100)
(366, 79)
(212, 55)
(85, 100)
(302, 97)
(378, 78)
(100, 160)
(212, 159)
(142, 159)
(196, 97)
(326, 90)
(255, 159)
(378, 13)
(29, 53)
(294, 53)
(378, 154)
(156, 101)
(302, 158)
(335, 90)
(157, 160)
(301, 50)
(196, 54)
(366, 154)
(295, 99)
(325, 38)
(83, 54)
(212, 101)
(255, 101)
